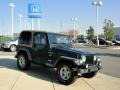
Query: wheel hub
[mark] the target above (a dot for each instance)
(65, 73)
(13, 48)
(22, 61)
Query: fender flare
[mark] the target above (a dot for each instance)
(64, 58)
(25, 51)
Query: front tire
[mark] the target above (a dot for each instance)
(65, 74)
(22, 62)
(89, 75)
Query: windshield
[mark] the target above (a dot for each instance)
(59, 40)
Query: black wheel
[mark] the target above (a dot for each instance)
(65, 74)
(89, 75)
(22, 62)
(13, 48)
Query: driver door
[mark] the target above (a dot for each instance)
(40, 48)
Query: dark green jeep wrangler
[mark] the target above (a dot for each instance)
(55, 51)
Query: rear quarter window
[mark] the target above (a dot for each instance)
(25, 38)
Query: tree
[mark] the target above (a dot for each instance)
(90, 33)
(72, 32)
(108, 29)
(101, 35)
(80, 36)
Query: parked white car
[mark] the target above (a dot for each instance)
(11, 45)
(116, 42)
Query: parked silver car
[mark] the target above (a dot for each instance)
(11, 45)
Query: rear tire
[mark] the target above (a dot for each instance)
(65, 74)
(22, 62)
(13, 48)
(89, 75)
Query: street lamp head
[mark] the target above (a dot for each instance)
(11, 5)
(100, 3)
(25, 20)
(74, 19)
(94, 3)
(20, 15)
(97, 3)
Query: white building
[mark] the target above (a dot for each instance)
(117, 33)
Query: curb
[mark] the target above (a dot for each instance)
(94, 46)
(109, 47)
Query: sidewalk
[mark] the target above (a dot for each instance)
(38, 78)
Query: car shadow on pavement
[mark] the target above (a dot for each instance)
(35, 71)
(5, 50)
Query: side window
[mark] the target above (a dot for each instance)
(39, 39)
(25, 38)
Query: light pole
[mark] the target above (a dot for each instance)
(20, 16)
(32, 25)
(97, 3)
(12, 7)
(61, 27)
(38, 24)
(25, 24)
(28, 25)
(74, 20)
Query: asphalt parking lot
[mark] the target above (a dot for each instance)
(40, 78)
(110, 60)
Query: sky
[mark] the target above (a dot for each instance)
(57, 15)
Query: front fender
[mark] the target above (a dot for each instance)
(64, 58)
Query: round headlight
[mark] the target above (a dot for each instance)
(83, 58)
(81, 61)
(77, 61)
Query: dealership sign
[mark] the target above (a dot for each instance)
(34, 11)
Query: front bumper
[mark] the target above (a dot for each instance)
(93, 68)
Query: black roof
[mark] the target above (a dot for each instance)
(34, 31)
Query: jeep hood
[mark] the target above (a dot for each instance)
(81, 51)
(71, 52)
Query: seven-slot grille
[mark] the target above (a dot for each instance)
(90, 59)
